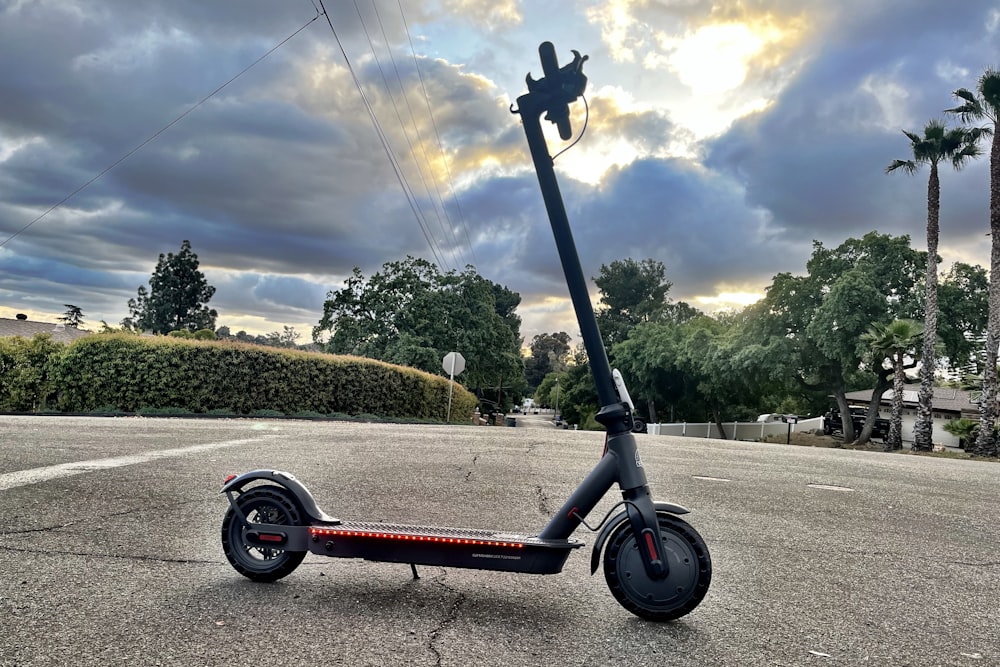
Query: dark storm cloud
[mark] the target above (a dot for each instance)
(694, 221)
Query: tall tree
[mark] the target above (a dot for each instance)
(410, 313)
(896, 341)
(631, 293)
(938, 144)
(984, 105)
(963, 306)
(809, 327)
(578, 400)
(177, 296)
(549, 354)
(73, 317)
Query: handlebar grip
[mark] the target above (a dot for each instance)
(550, 66)
(550, 63)
(565, 131)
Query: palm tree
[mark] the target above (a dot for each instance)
(896, 341)
(938, 144)
(984, 104)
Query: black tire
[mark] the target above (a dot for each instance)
(690, 571)
(262, 504)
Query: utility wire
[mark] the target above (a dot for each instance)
(437, 135)
(156, 134)
(439, 202)
(382, 137)
(399, 119)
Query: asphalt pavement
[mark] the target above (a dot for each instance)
(110, 551)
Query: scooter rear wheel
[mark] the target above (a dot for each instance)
(262, 504)
(690, 571)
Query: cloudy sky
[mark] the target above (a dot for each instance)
(723, 137)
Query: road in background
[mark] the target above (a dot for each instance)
(110, 553)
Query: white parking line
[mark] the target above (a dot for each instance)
(13, 480)
(829, 487)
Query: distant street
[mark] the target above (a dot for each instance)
(531, 420)
(110, 550)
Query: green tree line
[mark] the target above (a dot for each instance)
(845, 324)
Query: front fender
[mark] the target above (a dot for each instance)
(287, 481)
(617, 520)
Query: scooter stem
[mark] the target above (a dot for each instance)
(552, 99)
(552, 95)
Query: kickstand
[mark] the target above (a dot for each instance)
(413, 568)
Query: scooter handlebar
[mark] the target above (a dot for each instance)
(558, 114)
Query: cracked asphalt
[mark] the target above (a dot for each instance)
(110, 551)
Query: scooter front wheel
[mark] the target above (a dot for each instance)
(683, 589)
(262, 504)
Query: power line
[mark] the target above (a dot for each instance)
(382, 137)
(439, 202)
(437, 135)
(156, 134)
(399, 118)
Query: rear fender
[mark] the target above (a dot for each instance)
(285, 480)
(620, 518)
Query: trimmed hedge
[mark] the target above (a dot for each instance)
(26, 373)
(131, 374)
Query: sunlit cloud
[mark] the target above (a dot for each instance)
(493, 13)
(712, 59)
(718, 65)
(726, 301)
(891, 98)
(619, 28)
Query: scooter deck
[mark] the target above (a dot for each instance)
(434, 545)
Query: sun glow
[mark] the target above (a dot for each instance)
(713, 59)
(727, 301)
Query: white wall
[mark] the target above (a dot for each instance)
(756, 431)
(734, 430)
(940, 436)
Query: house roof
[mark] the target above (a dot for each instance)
(946, 399)
(27, 329)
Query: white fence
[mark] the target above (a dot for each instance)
(735, 430)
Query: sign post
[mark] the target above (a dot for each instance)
(453, 363)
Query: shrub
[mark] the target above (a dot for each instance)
(134, 373)
(27, 383)
(966, 430)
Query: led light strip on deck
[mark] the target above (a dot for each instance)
(333, 532)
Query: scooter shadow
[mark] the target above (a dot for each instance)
(393, 597)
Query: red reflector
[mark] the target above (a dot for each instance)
(267, 537)
(229, 478)
(651, 545)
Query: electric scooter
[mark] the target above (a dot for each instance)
(655, 564)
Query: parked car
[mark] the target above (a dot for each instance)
(832, 422)
(774, 417)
